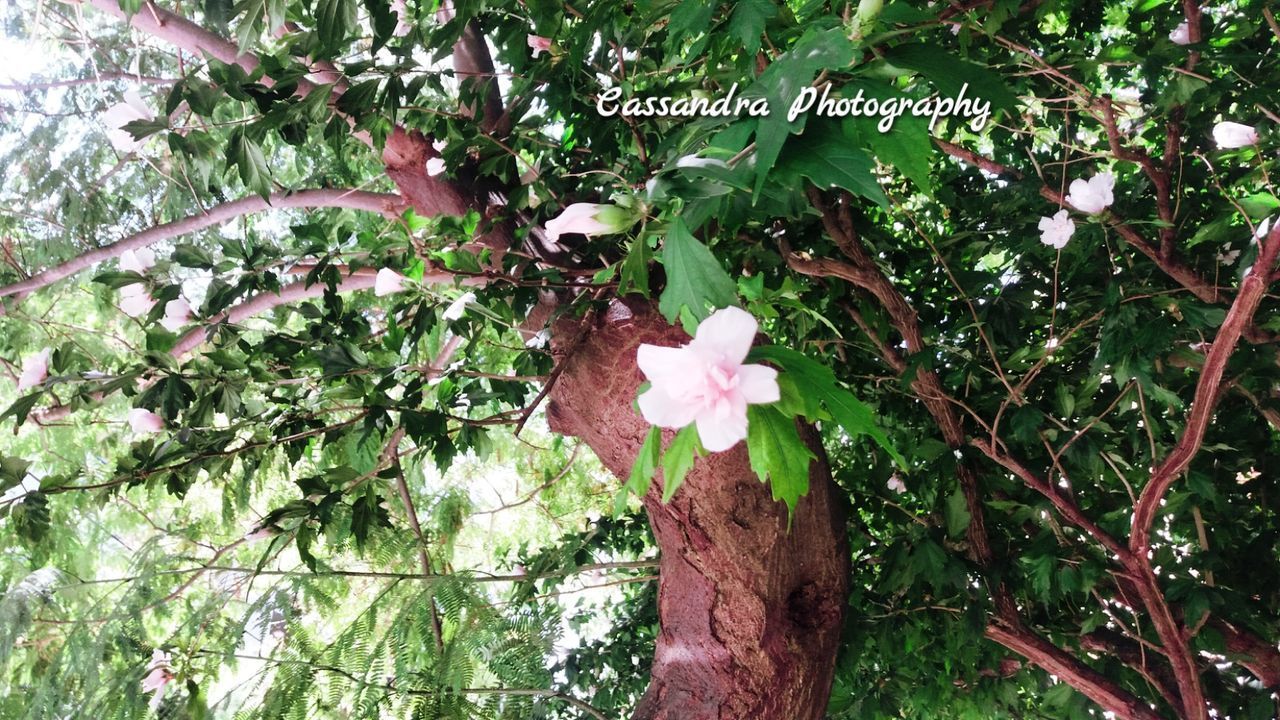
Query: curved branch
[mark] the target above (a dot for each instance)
(183, 33)
(386, 204)
(1096, 686)
(258, 304)
(1239, 318)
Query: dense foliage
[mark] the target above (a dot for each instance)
(1055, 460)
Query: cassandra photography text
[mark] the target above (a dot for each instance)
(819, 100)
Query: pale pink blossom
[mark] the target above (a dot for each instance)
(138, 261)
(143, 421)
(1230, 135)
(588, 219)
(121, 114)
(176, 314)
(387, 282)
(1094, 195)
(1181, 35)
(539, 44)
(159, 673)
(895, 484)
(1057, 230)
(705, 382)
(135, 300)
(404, 23)
(34, 370)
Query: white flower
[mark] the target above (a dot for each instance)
(705, 382)
(895, 484)
(176, 314)
(1181, 35)
(34, 370)
(1263, 228)
(1094, 195)
(139, 261)
(1228, 257)
(135, 300)
(144, 421)
(1230, 135)
(387, 282)
(459, 306)
(538, 339)
(435, 166)
(121, 114)
(589, 219)
(1057, 230)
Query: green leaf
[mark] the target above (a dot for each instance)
(189, 255)
(855, 416)
(1259, 205)
(334, 19)
(777, 453)
(695, 279)
(748, 21)
(949, 74)
(646, 463)
(247, 156)
(677, 461)
(782, 82)
(957, 513)
(634, 276)
(829, 159)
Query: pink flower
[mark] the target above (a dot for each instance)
(539, 44)
(387, 282)
(1181, 35)
(589, 219)
(1057, 230)
(139, 261)
(1230, 135)
(705, 381)
(143, 421)
(159, 672)
(34, 370)
(1093, 196)
(176, 314)
(135, 300)
(895, 484)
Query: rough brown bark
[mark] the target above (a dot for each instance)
(750, 611)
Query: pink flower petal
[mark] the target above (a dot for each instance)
(758, 384)
(725, 336)
(668, 365)
(387, 281)
(721, 433)
(144, 421)
(663, 410)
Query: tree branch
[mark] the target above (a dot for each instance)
(385, 204)
(1052, 659)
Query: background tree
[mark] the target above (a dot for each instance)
(1027, 374)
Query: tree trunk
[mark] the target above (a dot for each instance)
(750, 611)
